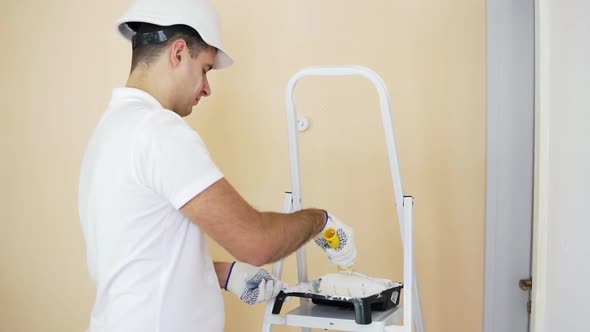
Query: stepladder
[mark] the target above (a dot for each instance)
(406, 317)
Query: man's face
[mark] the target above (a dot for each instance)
(193, 83)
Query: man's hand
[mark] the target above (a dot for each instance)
(345, 255)
(252, 284)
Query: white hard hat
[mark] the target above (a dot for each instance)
(197, 14)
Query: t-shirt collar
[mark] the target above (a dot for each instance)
(127, 93)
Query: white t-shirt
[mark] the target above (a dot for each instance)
(150, 264)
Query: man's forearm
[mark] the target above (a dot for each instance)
(288, 232)
(285, 234)
(253, 237)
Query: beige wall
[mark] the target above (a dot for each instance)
(61, 58)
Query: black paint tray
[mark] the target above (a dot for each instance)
(362, 306)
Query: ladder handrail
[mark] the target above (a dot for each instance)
(386, 116)
(413, 311)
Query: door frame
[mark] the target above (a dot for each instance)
(510, 161)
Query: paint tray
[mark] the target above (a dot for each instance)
(362, 306)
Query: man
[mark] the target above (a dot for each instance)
(149, 190)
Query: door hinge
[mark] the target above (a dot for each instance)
(525, 285)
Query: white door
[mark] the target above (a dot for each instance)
(510, 164)
(561, 268)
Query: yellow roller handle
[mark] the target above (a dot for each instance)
(333, 240)
(331, 237)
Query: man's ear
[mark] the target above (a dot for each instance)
(176, 52)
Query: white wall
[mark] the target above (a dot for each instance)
(562, 230)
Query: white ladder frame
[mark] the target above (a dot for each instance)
(412, 315)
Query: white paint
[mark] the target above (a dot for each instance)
(562, 208)
(305, 287)
(352, 285)
(510, 123)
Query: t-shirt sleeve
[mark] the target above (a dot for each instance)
(172, 159)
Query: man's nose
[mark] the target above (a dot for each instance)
(206, 92)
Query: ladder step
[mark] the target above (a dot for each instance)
(335, 318)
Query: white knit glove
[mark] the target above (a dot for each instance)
(252, 284)
(345, 255)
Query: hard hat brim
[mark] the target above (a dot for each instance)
(222, 59)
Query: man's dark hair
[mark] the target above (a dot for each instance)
(148, 53)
